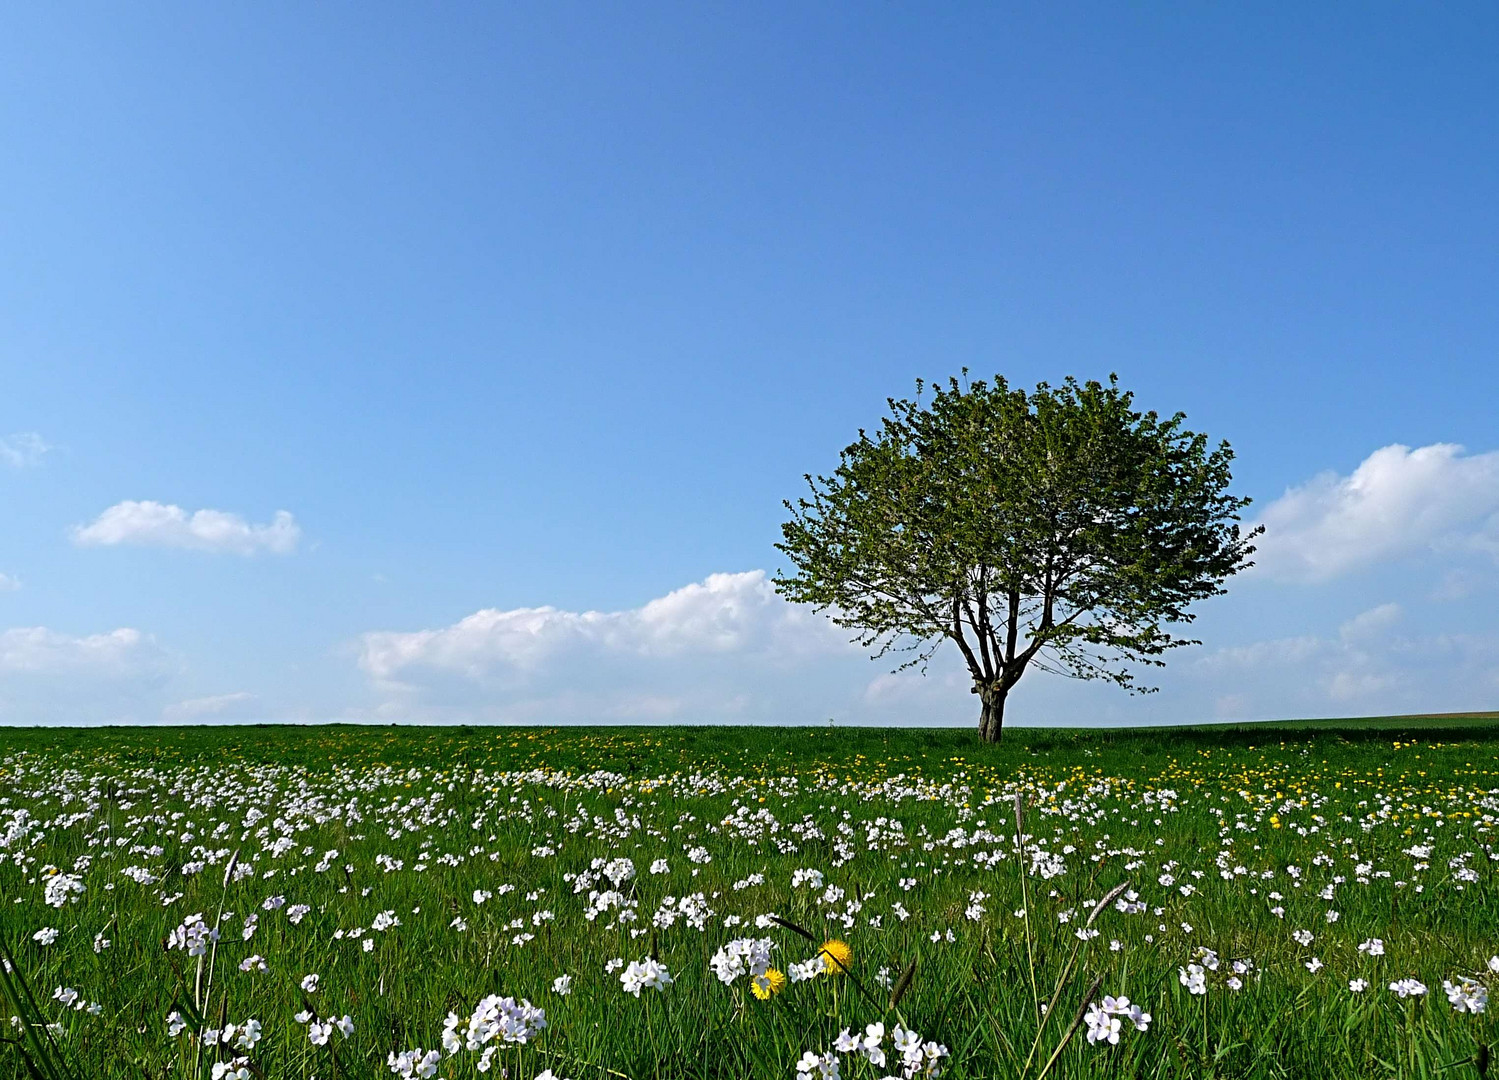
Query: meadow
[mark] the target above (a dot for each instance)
(326, 902)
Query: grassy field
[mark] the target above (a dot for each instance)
(594, 903)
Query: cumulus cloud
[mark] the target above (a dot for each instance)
(1368, 667)
(23, 450)
(154, 524)
(723, 614)
(47, 676)
(8, 583)
(721, 646)
(37, 650)
(728, 649)
(1397, 502)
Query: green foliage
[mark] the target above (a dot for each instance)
(1061, 528)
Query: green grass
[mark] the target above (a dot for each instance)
(1416, 722)
(480, 809)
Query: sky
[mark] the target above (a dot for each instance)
(404, 363)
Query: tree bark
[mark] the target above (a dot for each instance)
(992, 711)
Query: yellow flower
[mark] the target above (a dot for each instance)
(837, 957)
(768, 985)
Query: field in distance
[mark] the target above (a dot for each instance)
(1275, 900)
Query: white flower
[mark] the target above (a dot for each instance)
(905, 1040)
(318, 1032)
(645, 974)
(1358, 986)
(62, 889)
(1105, 1019)
(619, 871)
(1101, 1026)
(1193, 978)
(1372, 947)
(823, 1066)
(808, 969)
(193, 935)
(309, 983)
(869, 1046)
(45, 936)
(414, 1063)
(1467, 996)
(741, 956)
(1408, 987)
(563, 985)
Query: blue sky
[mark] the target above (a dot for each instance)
(548, 306)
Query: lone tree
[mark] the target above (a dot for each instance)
(1059, 528)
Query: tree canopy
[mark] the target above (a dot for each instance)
(1059, 528)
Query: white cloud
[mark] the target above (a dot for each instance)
(1278, 653)
(1368, 667)
(1388, 659)
(8, 583)
(721, 647)
(154, 524)
(1397, 502)
(55, 678)
(1370, 624)
(1311, 671)
(728, 649)
(23, 450)
(726, 613)
(37, 650)
(219, 706)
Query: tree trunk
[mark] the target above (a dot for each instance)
(992, 713)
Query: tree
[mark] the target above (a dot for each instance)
(1059, 528)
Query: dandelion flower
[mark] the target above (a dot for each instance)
(768, 985)
(836, 956)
